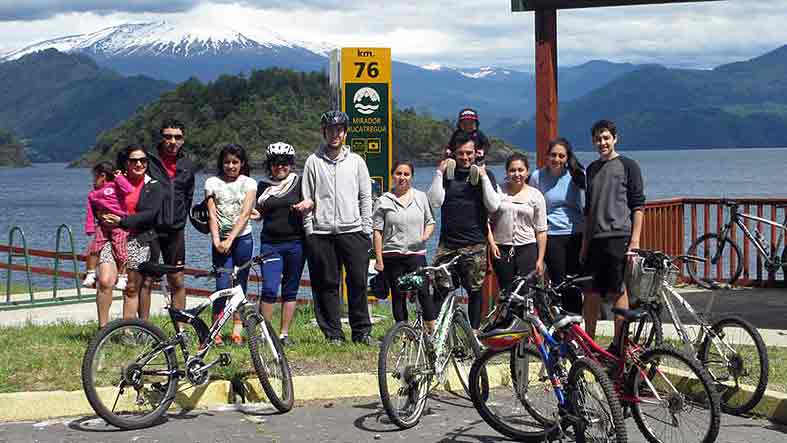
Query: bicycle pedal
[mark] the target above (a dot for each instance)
(225, 359)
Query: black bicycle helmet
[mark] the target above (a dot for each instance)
(468, 114)
(198, 215)
(332, 118)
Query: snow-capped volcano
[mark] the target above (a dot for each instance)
(176, 51)
(161, 39)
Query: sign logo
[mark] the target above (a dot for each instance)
(366, 101)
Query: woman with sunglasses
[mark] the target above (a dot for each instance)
(142, 204)
(281, 207)
(562, 181)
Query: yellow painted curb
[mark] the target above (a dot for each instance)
(23, 406)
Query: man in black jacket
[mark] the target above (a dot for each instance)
(176, 173)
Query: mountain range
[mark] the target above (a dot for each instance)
(742, 104)
(176, 52)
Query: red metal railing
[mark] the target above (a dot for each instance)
(672, 225)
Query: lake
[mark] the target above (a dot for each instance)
(40, 198)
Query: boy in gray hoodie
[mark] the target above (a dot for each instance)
(338, 230)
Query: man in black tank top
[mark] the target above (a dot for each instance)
(463, 220)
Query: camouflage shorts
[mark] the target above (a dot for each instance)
(472, 271)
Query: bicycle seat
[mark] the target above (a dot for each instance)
(630, 315)
(155, 270)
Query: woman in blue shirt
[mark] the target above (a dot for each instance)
(562, 182)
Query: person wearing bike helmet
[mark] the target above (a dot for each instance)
(467, 122)
(281, 207)
(338, 230)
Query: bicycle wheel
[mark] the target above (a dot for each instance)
(464, 348)
(499, 403)
(531, 382)
(648, 331)
(595, 403)
(674, 400)
(128, 374)
(270, 362)
(739, 364)
(404, 375)
(707, 246)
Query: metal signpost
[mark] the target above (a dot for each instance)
(363, 90)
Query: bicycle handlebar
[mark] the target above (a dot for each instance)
(216, 271)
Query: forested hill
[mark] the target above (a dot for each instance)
(265, 107)
(59, 102)
(12, 152)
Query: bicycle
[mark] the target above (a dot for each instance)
(711, 246)
(410, 357)
(730, 348)
(577, 392)
(130, 372)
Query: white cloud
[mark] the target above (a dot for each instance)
(460, 32)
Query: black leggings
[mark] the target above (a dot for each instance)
(395, 267)
(562, 258)
(513, 261)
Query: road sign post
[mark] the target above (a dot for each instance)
(366, 98)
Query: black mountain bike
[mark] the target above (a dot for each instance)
(711, 247)
(130, 371)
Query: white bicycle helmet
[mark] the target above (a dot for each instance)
(279, 149)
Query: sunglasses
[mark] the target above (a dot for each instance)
(140, 160)
(172, 136)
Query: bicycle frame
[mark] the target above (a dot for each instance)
(666, 293)
(736, 219)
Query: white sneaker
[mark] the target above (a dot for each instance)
(90, 279)
(450, 167)
(122, 282)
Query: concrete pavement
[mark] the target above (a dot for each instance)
(449, 418)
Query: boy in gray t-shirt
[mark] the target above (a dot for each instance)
(613, 223)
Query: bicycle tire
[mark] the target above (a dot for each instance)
(707, 251)
(282, 397)
(542, 389)
(580, 395)
(784, 262)
(648, 331)
(464, 349)
(498, 403)
(414, 388)
(654, 362)
(755, 340)
(99, 375)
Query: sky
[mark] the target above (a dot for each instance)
(459, 33)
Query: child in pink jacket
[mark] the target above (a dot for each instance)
(108, 196)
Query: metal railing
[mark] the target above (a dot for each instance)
(672, 225)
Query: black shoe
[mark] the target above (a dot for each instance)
(366, 340)
(286, 341)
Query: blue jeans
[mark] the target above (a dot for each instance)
(285, 271)
(240, 252)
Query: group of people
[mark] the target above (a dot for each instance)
(558, 220)
(552, 220)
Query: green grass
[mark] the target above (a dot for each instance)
(46, 358)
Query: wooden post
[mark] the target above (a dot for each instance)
(546, 82)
